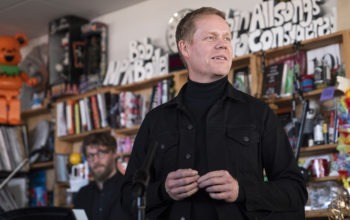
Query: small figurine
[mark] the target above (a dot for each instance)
(11, 78)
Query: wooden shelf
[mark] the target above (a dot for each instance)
(326, 178)
(116, 89)
(124, 154)
(80, 137)
(127, 131)
(86, 94)
(148, 82)
(322, 213)
(310, 44)
(318, 149)
(241, 60)
(35, 112)
(42, 165)
(288, 99)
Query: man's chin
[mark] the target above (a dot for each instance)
(220, 75)
(100, 176)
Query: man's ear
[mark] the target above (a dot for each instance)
(183, 47)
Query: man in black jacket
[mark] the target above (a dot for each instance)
(101, 198)
(215, 142)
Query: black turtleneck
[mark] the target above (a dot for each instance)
(199, 97)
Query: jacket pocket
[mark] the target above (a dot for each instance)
(166, 156)
(243, 145)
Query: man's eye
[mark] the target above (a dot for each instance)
(210, 37)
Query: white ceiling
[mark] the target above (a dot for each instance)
(32, 16)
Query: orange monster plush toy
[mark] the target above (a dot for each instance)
(11, 78)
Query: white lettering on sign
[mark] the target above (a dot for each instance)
(271, 25)
(145, 61)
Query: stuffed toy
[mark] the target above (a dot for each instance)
(11, 78)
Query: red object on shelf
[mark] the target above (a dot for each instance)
(319, 167)
(343, 173)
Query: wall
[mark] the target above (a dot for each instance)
(343, 18)
(149, 19)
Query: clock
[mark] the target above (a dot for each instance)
(171, 29)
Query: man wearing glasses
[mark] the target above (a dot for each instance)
(101, 198)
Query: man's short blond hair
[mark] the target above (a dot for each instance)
(186, 27)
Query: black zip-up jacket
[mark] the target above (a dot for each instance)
(243, 136)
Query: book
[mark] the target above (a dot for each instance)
(18, 188)
(294, 67)
(112, 102)
(101, 101)
(14, 147)
(95, 112)
(88, 113)
(70, 116)
(77, 115)
(7, 200)
(83, 116)
(287, 79)
(272, 80)
(5, 161)
(61, 119)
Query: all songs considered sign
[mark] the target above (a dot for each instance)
(272, 24)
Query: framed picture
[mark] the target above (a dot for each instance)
(330, 55)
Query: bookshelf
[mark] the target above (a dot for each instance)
(284, 105)
(66, 144)
(23, 140)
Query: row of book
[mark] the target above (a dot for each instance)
(163, 91)
(278, 77)
(114, 110)
(76, 116)
(124, 144)
(313, 69)
(13, 147)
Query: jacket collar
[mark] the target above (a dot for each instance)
(230, 93)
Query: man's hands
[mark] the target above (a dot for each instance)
(183, 183)
(220, 185)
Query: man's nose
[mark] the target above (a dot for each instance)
(223, 44)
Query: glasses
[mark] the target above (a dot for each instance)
(100, 154)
